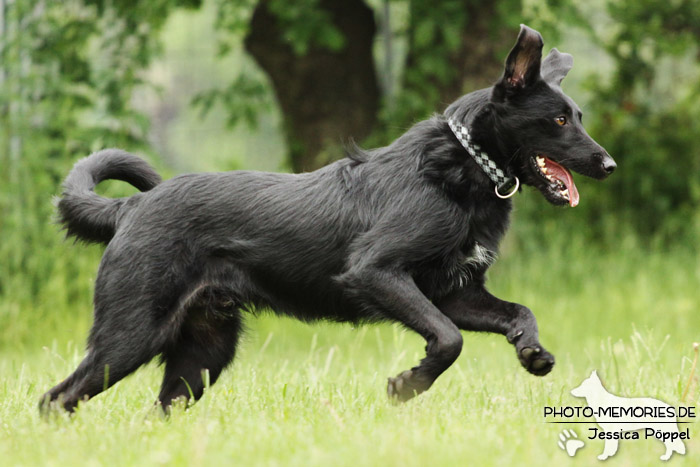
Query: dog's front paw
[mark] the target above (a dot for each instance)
(405, 386)
(536, 360)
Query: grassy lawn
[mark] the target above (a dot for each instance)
(315, 394)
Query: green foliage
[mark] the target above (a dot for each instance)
(305, 24)
(657, 190)
(67, 72)
(244, 99)
(232, 22)
(437, 36)
(248, 94)
(434, 35)
(647, 116)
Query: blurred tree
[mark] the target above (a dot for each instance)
(318, 56)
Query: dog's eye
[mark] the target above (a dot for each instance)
(561, 121)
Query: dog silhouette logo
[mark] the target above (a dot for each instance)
(623, 418)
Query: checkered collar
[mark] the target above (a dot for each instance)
(489, 167)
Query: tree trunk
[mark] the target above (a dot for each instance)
(475, 63)
(326, 97)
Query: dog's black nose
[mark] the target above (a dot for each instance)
(609, 165)
(607, 162)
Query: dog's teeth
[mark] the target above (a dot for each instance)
(565, 193)
(540, 161)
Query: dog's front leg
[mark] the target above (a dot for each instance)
(395, 295)
(473, 308)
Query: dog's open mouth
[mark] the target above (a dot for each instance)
(561, 183)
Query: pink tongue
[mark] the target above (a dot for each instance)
(560, 173)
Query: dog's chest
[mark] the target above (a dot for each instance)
(477, 253)
(472, 252)
(479, 256)
(456, 271)
(474, 259)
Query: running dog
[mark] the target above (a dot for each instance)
(403, 233)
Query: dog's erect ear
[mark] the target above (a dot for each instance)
(556, 66)
(523, 62)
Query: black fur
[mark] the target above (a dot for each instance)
(91, 217)
(403, 233)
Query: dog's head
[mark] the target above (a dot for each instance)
(590, 386)
(540, 126)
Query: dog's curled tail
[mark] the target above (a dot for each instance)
(88, 216)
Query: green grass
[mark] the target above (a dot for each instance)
(315, 394)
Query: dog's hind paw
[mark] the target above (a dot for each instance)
(536, 360)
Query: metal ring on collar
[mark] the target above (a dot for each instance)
(515, 189)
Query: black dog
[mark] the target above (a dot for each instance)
(403, 233)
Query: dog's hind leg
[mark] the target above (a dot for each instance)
(399, 298)
(205, 346)
(473, 308)
(112, 354)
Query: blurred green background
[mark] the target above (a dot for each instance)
(276, 85)
(283, 85)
